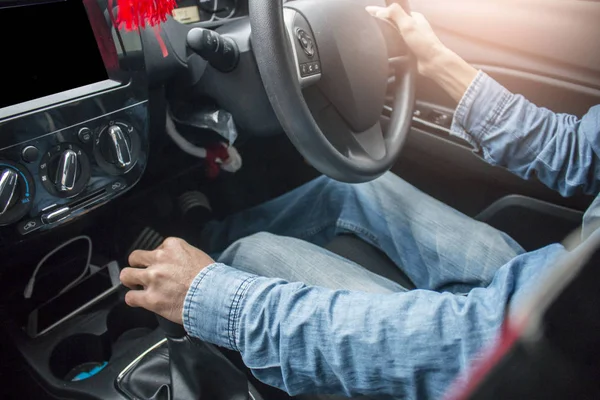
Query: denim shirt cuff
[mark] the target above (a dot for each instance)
(478, 109)
(213, 303)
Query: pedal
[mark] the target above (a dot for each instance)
(195, 213)
(148, 239)
(194, 202)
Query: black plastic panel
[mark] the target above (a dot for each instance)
(532, 223)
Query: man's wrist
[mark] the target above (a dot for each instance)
(450, 71)
(437, 57)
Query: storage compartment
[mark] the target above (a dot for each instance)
(76, 341)
(78, 354)
(82, 355)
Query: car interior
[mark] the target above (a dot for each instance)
(113, 139)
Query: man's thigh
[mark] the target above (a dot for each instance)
(438, 247)
(296, 260)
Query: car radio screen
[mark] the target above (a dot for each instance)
(46, 48)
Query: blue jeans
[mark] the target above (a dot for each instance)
(423, 339)
(438, 247)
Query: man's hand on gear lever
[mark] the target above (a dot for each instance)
(159, 280)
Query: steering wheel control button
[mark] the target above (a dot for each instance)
(304, 69)
(309, 69)
(304, 47)
(30, 154)
(85, 135)
(306, 42)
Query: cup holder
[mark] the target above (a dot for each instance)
(78, 353)
(82, 355)
(125, 323)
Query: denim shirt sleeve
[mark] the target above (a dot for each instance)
(308, 339)
(509, 131)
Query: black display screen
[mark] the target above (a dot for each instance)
(46, 48)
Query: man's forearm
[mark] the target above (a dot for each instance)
(451, 72)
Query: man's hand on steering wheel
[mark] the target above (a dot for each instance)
(160, 279)
(434, 59)
(416, 32)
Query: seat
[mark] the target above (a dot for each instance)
(531, 222)
(370, 258)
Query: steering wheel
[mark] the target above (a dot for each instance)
(325, 67)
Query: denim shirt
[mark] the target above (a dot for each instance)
(244, 312)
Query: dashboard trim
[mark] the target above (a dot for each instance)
(74, 125)
(18, 110)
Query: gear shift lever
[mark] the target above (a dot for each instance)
(192, 370)
(185, 365)
(171, 329)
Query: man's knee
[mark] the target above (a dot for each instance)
(339, 193)
(253, 253)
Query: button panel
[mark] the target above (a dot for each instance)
(310, 68)
(65, 174)
(85, 135)
(30, 154)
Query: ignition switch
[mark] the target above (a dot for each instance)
(221, 52)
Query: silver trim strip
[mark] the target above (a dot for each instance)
(77, 124)
(139, 358)
(34, 105)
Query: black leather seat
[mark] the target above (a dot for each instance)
(370, 258)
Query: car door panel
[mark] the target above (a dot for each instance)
(557, 35)
(545, 50)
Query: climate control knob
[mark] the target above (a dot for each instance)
(66, 173)
(8, 188)
(117, 147)
(119, 152)
(16, 192)
(65, 170)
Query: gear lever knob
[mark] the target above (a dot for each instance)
(171, 329)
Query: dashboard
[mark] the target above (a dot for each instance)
(209, 11)
(73, 133)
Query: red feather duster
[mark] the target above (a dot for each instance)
(136, 14)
